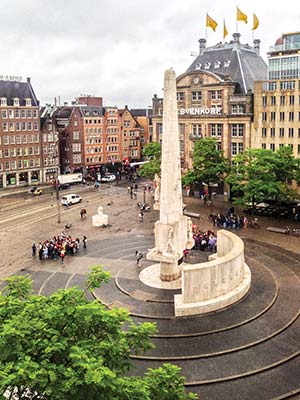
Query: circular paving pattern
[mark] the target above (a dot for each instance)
(250, 350)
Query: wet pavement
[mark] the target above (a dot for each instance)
(250, 350)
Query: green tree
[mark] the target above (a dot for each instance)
(209, 164)
(260, 174)
(65, 347)
(151, 152)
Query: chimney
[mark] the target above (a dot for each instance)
(202, 43)
(236, 37)
(55, 102)
(256, 45)
(28, 80)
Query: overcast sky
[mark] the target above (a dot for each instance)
(120, 49)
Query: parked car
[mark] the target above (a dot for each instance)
(62, 186)
(108, 178)
(35, 191)
(70, 199)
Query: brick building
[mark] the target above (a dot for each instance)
(20, 134)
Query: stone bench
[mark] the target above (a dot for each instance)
(277, 230)
(191, 214)
(217, 283)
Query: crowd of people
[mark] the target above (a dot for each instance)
(58, 247)
(204, 240)
(232, 221)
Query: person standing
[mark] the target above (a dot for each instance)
(84, 241)
(138, 256)
(33, 250)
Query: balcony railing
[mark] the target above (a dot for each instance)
(285, 46)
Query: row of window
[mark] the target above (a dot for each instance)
(16, 102)
(19, 164)
(89, 131)
(19, 113)
(197, 96)
(283, 85)
(93, 140)
(217, 129)
(18, 126)
(282, 100)
(112, 130)
(272, 146)
(93, 121)
(281, 132)
(282, 116)
(20, 152)
(18, 139)
(217, 64)
(92, 150)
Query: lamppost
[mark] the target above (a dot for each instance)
(55, 157)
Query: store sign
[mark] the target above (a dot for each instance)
(200, 111)
(12, 78)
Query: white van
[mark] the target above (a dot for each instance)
(70, 199)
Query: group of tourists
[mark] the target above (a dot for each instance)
(204, 240)
(58, 247)
(231, 220)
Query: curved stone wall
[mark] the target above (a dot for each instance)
(217, 283)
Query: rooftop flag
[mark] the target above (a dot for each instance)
(225, 31)
(211, 23)
(240, 16)
(255, 22)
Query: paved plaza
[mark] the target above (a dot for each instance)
(249, 350)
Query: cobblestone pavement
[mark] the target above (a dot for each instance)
(249, 350)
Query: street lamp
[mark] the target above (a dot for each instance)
(54, 157)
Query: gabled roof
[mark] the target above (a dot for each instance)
(240, 62)
(20, 90)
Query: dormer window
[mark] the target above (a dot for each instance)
(226, 63)
(3, 101)
(28, 102)
(16, 102)
(207, 65)
(198, 66)
(217, 64)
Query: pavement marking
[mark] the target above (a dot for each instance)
(47, 280)
(244, 374)
(24, 214)
(69, 280)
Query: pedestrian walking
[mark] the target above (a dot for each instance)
(141, 216)
(138, 256)
(84, 241)
(62, 255)
(83, 213)
(33, 247)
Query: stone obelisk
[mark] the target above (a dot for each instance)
(173, 230)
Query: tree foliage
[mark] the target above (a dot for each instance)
(152, 152)
(260, 174)
(65, 347)
(209, 164)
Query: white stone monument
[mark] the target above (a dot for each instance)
(173, 230)
(100, 219)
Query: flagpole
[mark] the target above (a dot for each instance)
(206, 28)
(236, 20)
